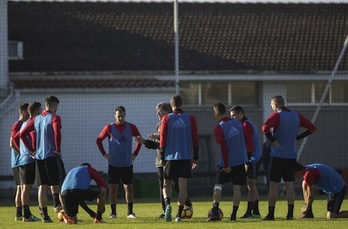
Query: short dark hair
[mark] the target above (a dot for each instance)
(219, 108)
(85, 164)
(120, 109)
(176, 101)
(51, 100)
(279, 100)
(23, 107)
(237, 109)
(33, 107)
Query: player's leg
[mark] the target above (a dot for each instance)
(18, 201)
(160, 184)
(167, 193)
(56, 174)
(100, 205)
(238, 179)
(113, 180)
(42, 182)
(334, 205)
(127, 180)
(289, 178)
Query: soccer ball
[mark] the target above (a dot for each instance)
(221, 214)
(187, 213)
(60, 215)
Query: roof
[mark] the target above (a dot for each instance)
(219, 37)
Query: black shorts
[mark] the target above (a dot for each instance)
(27, 173)
(282, 168)
(16, 178)
(50, 171)
(72, 197)
(117, 174)
(253, 170)
(178, 168)
(237, 175)
(334, 202)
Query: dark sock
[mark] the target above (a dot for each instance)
(44, 213)
(130, 208)
(26, 211)
(290, 210)
(234, 213)
(113, 209)
(250, 207)
(56, 201)
(167, 201)
(188, 202)
(19, 211)
(180, 208)
(256, 210)
(271, 211)
(85, 207)
(99, 215)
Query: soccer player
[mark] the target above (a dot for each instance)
(162, 109)
(120, 157)
(179, 145)
(229, 134)
(50, 168)
(23, 116)
(77, 187)
(253, 148)
(282, 128)
(322, 177)
(27, 163)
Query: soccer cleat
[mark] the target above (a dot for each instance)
(99, 220)
(213, 217)
(247, 216)
(161, 216)
(168, 213)
(255, 216)
(289, 217)
(233, 218)
(131, 216)
(113, 216)
(32, 218)
(18, 218)
(308, 215)
(68, 219)
(47, 220)
(58, 209)
(268, 217)
(178, 219)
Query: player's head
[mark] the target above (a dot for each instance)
(51, 103)
(176, 102)
(162, 109)
(237, 112)
(85, 164)
(277, 102)
(219, 110)
(34, 109)
(23, 111)
(120, 114)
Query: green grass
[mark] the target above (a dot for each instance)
(148, 211)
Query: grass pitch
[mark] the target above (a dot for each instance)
(148, 211)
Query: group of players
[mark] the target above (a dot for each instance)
(36, 155)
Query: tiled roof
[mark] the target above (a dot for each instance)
(77, 36)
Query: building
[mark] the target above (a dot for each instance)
(97, 55)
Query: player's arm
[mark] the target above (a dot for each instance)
(14, 142)
(26, 132)
(308, 125)
(135, 133)
(248, 135)
(219, 137)
(102, 135)
(270, 125)
(163, 136)
(57, 125)
(195, 138)
(96, 176)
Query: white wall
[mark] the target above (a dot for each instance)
(83, 117)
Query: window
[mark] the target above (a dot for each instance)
(306, 92)
(227, 92)
(15, 50)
